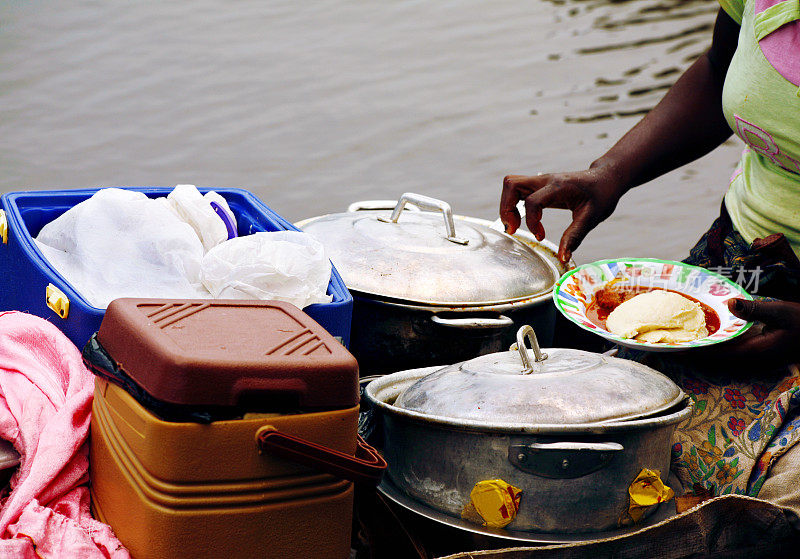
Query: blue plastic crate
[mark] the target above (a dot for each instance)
(26, 274)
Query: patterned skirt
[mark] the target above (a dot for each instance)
(743, 420)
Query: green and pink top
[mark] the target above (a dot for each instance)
(761, 101)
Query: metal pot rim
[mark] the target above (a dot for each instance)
(396, 382)
(446, 307)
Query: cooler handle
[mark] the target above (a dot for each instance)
(366, 466)
(4, 226)
(56, 300)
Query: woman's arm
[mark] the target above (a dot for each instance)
(686, 124)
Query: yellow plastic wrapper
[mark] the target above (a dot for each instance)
(493, 503)
(646, 491)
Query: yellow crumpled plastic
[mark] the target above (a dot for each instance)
(646, 491)
(493, 503)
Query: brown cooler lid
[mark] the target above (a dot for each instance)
(224, 352)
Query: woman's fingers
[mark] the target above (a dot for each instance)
(509, 214)
(771, 349)
(548, 191)
(777, 343)
(545, 197)
(778, 314)
(572, 237)
(516, 188)
(755, 345)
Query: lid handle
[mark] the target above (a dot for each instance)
(427, 203)
(523, 333)
(363, 205)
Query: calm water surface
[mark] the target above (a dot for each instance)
(313, 105)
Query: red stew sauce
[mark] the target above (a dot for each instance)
(606, 300)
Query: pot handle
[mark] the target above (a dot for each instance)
(427, 203)
(366, 466)
(474, 323)
(562, 460)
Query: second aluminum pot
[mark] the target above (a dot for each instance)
(430, 288)
(572, 435)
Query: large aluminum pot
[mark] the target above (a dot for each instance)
(572, 430)
(431, 288)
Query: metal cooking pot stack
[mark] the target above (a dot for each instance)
(570, 428)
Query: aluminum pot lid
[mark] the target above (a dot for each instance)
(561, 386)
(428, 257)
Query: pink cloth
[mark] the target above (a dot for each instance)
(45, 409)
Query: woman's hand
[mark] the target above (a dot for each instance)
(591, 195)
(778, 342)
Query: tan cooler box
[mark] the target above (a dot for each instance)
(200, 454)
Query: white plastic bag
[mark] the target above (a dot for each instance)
(196, 210)
(285, 266)
(120, 243)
